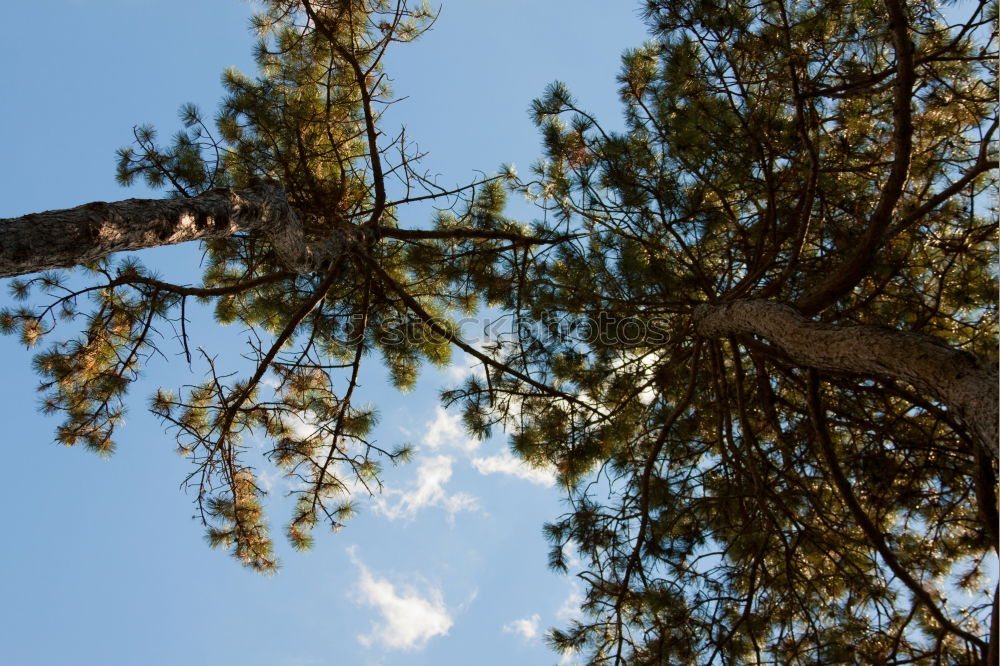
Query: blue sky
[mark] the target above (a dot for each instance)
(101, 562)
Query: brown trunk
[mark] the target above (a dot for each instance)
(953, 377)
(65, 238)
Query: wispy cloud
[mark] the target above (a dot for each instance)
(567, 658)
(572, 554)
(408, 620)
(570, 608)
(445, 431)
(507, 463)
(303, 424)
(267, 480)
(427, 490)
(468, 365)
(527, 627)
(568, 612)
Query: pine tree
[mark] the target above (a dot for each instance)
(290, 194)
(776, 314)
(756, 329)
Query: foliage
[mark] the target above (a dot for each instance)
(731, 504)
(308, 123)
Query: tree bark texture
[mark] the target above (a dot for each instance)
(73, 236)
(955, 378)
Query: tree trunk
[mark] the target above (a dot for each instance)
(64, 238)
(955, 378)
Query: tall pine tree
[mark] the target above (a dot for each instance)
(778, 310)
(291, 193)
(756, 329)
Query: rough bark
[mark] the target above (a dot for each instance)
(955, 378)
(73, 236)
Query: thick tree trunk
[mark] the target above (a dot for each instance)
(955, 378)
(64, 238)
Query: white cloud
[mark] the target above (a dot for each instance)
(303, 424)
(267, 480)
(570, 608)
(466, 365)
(526, 626)
(507, 463)
(427, 490)
(408, 620)
(572, 554)
(446, 430)
(469, 365)
(569, 611)
(567, 658)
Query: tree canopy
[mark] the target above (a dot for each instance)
(756, 329)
